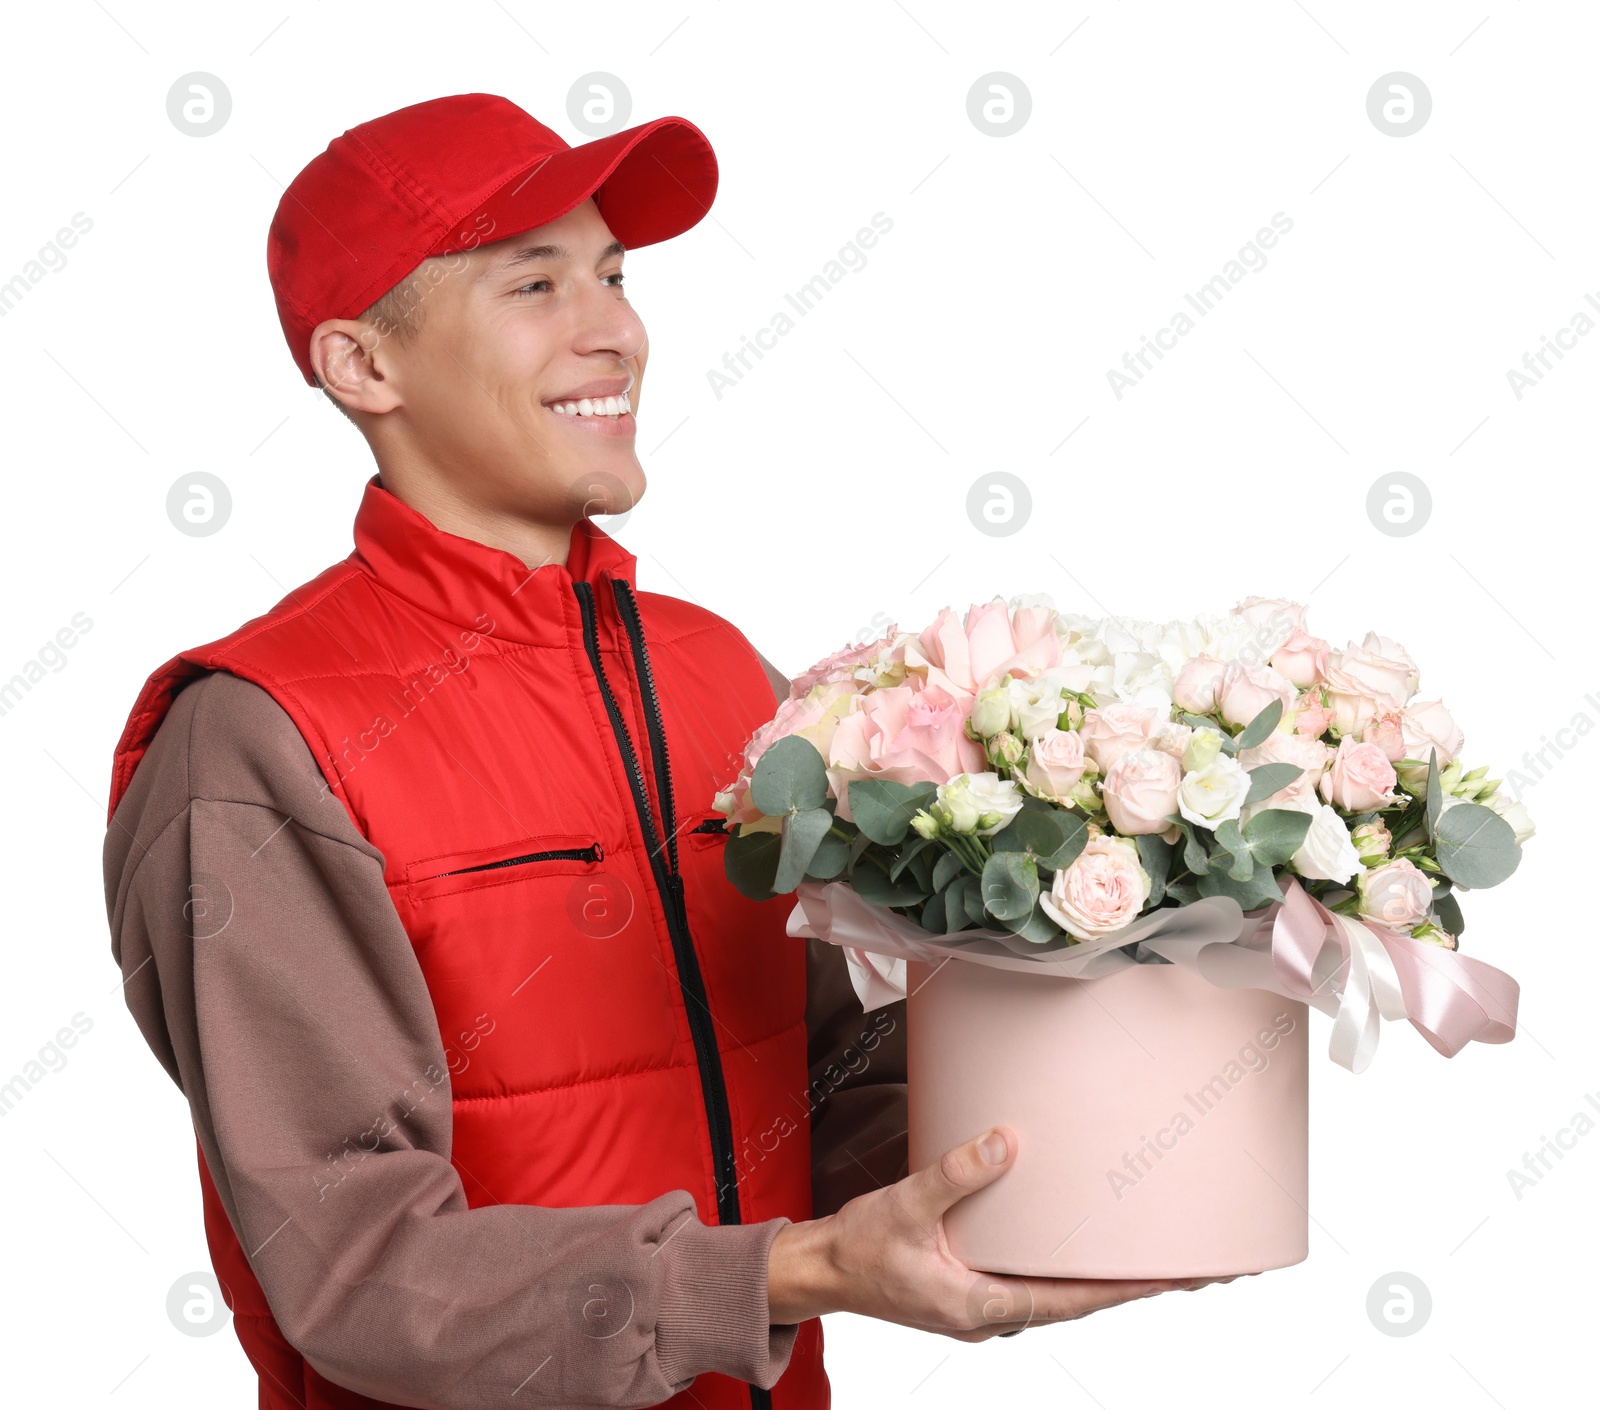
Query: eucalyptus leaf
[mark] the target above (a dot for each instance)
(1155, 856)
(1184, 892)
(883, 809)
(803, 831)
(1476, 847)
(1275, 835)
(907, 852)
(1035, 926)
(955, 905)
(1447, 914)
(1260, 727)
(789, 775)
(1195, 856)
(1010, 885)
(830, 858)
(875, 888)
(946, 869)
(1435, 796)
(933, 914)
(1242, 866)
(1260, 890)
(750, 860)
(1267, 779)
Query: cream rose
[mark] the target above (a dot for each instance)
(1055, 764)
(1101, 892)
(1358, 777)
(979, 802)
(1426, 725)
(1113, 729)
(1195, 687)
(1396, 894)
(1247, 690)
(1309, 755)
(1140, 791)
(1301, 659)
(1379, 668)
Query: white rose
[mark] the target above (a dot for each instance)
(991, 711)
(1514, 813)
(1215, 793)
(972, 798)
(1327, 853)
(1035, 705)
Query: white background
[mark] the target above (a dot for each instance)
(828, 487)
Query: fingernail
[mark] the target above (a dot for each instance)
(993, 1148)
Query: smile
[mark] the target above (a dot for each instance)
(593, 406)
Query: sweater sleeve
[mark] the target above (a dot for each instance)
(269, 971)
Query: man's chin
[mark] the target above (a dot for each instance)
(607, 485)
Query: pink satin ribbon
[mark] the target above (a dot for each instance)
(1451, 999)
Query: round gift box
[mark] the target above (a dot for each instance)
(1160, 1120)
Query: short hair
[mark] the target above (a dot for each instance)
(398, 312)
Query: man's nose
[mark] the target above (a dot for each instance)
(609, 325)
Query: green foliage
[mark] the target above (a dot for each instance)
(750, 861)
(1477, 846)
(883, 809)
(789, 775)
(1260, 727)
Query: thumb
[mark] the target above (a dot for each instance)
(961, 1170)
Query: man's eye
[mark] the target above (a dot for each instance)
(537, 284)
(617, 276)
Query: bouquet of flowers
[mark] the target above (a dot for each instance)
(1054, 777)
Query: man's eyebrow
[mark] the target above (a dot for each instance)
(535, 254)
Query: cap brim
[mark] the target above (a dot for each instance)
(650, 182)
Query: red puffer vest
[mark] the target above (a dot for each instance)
(535, 755)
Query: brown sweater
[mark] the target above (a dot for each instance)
(269, 972)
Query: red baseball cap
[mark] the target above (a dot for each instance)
(454, 173)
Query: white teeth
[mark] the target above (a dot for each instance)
(594, 406)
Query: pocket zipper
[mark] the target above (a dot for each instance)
(711, 825)
(591, 853)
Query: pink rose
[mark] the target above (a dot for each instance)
(1426, 725)
(1113, 729)
(1311, 716)
(1383, 729)
(1102, 891)
(1301, 659)
(1195, 687)
(1352, 710)
(1359, 777)
(1396, 895)
(904, 733)
(992, 643)
(1247, 690)
(841, 664)
(1306, 753)
(1379, 668)
(1055, 764)
(1141, 791)
(1172, 739)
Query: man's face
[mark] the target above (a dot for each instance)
(501, 397)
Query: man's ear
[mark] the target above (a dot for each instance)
(344, 357)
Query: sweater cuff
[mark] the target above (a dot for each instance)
(713, 1311)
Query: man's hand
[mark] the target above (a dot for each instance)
(884, 1255)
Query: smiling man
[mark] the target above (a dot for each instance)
(502, 1094)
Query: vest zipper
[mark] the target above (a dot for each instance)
(670, 885)
(591, 853)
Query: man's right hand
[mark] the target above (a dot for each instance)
(884, 1255)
